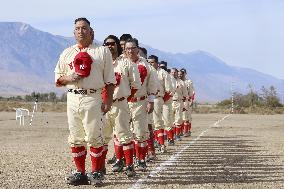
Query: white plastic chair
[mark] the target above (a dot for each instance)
(21, 113)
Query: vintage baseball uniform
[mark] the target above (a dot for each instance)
(155, 75)
(138, 101)
(185, 116)
(118, 118)
(168, 113)
(189, 85)
(178, 97)
(84, 96)
(164, 86)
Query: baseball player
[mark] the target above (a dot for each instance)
(168, 114)
(141, 101)
(85, 68)
(151, 154)
(178, 97)
(185, 109)
(118, 118)
(122, 40)
(164, 88)
(191, 95)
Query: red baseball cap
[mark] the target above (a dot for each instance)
(82, 64)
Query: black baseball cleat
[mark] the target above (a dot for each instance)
(171, 142)
(187, 134)
(141, 165)
(95, 178)
(151, 157)
(130, 171)
(156, 144)
(178, 138)
(118, 166)
(103, 173)
(111, 160)
(77, 178)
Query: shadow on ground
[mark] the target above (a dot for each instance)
(212, 160)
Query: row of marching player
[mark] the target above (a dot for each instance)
(159, 104)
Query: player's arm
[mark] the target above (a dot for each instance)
(109, 80)
(66, 79)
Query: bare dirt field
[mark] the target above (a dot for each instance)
(238, 151)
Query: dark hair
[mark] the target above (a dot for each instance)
(143, 50)
(119, 49)
(133, 40)
(82, 19)
(183, 70)
(163, 62)
(154, 57)
(125, 37)
(174, 69)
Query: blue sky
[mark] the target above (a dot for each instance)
(243, 33)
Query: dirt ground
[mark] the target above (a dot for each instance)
(241, 151)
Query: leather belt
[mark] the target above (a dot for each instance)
(82, 91)
(137, 99)
(118, 99)
(176, 100)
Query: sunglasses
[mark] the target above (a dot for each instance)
(109, 44)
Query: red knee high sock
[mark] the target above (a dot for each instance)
(160, 135)
(79, 158)
(171, 134)
(104, 154)
(128, 151)
(178, 127)
(186, 127)
(118, 148)
(96, 157)
(182, 128)
(141, 150)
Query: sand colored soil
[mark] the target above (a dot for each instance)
(241, 151)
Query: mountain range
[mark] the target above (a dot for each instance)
(28, 57)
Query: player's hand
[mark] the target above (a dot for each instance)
(150, 107)
(74, 77)
(105, 107)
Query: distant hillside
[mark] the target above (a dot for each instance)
(28, 57)
(213, 78)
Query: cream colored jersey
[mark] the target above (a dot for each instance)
(190, 88)
(127, 78)
(147, 77)
(155, 75)
(174, 84)
(181, 90)
(165, 82)
(101, 69)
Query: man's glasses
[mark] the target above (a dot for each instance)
(151, 62)
(109, 44)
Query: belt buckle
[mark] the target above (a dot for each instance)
(92, 90)
(76, 91)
